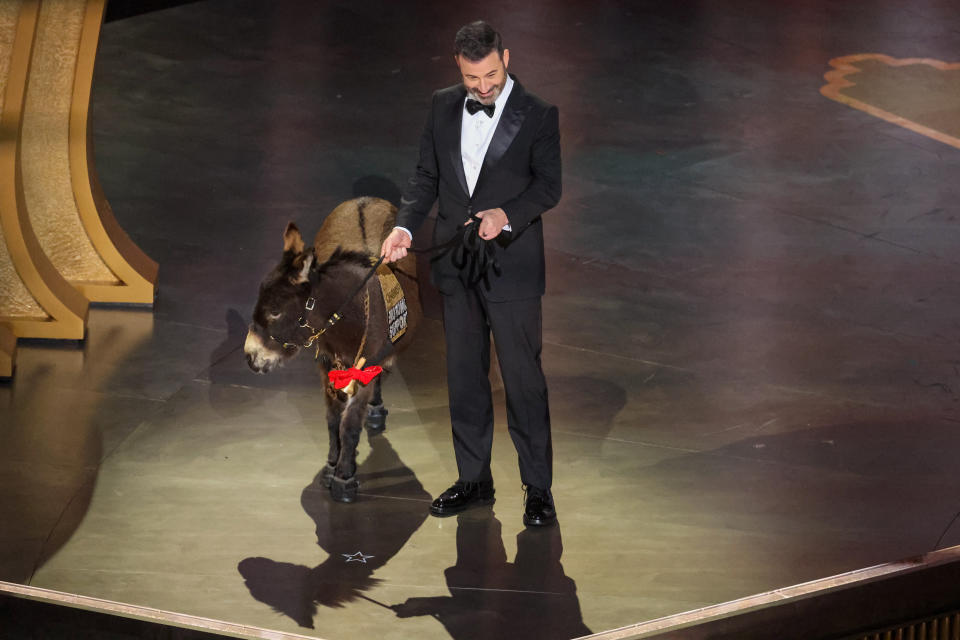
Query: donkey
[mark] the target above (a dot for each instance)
(316, 300)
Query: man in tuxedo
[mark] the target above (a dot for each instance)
(491, 150)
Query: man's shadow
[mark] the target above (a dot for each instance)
(359, 538)
(492, 598)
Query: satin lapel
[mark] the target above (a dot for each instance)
(510, 122)
(455, 120)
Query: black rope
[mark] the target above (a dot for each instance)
(473, 256)
(942, 535)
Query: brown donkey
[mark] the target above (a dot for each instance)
(320, 299)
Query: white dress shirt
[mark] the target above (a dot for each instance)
(476, 132)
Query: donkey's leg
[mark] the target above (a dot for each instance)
(344, 484)
(334, 410)
(376, 413)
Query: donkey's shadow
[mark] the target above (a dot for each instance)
(359, 538)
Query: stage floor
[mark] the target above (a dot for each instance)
(751, 324)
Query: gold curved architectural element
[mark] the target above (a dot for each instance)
(35, 300)
(67, 207)
(8, 351)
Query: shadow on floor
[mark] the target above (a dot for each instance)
(359, 538)
(492, 598)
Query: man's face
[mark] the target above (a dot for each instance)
(484, 80)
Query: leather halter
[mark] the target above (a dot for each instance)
(331, 320)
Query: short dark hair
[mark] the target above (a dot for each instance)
(476, 40)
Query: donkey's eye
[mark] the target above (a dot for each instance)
(271, 315)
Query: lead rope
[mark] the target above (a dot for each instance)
(473, 256)
(359, 360)
(366, 325)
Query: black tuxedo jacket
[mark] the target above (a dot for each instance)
(520, 174)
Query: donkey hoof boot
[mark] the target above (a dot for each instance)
(326, 476)
(376, 418)
(344, 489)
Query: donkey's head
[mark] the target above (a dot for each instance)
(275, 333)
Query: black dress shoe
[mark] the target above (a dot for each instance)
(462, 496)
(538, 508)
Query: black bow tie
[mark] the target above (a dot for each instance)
(473, 106)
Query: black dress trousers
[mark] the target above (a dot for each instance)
(468, 320)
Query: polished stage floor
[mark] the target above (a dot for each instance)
(751, 323)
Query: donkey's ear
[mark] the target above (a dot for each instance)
(292, 240)
(303, 262)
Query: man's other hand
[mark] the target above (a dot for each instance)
(492, 222)
(395, 246)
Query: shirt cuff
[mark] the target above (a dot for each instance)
(406, 231)
(507, 227)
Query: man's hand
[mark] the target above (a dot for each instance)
(395, 246)
(492, 222)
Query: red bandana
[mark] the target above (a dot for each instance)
(341, 378)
